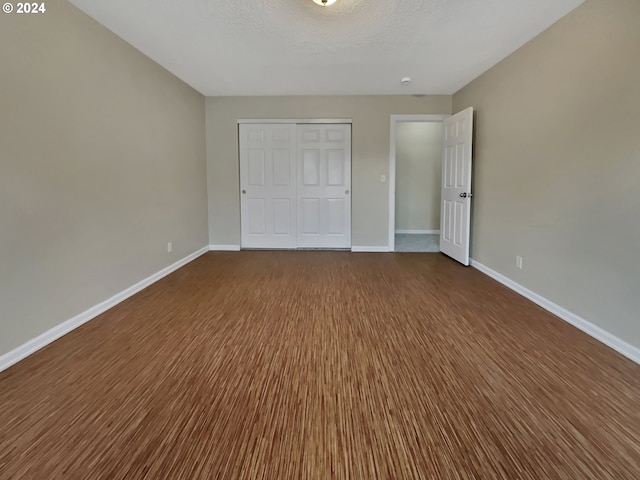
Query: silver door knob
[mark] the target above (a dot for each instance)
(346, 192)
(463, 195)
(244, 192)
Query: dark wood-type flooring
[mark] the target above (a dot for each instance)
(322, 365)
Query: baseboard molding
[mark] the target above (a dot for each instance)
(619, 345)
(236, 248)
(224, 248)
(44, 339)
(370, 249)
(418, 232)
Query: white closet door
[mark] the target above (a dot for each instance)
(324, 186)
(268, 186)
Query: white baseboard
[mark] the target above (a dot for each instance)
(370, 249)
(224, 248)
(418, 232)
(236, 248)
(44, 339)
(620, 346)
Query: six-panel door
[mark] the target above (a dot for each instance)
(295, 183)
(456, 185)
(268, 186)
(324, 186)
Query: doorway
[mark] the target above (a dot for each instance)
(415, 183)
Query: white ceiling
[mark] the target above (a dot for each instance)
(295, 47)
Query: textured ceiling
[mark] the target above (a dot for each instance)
(295, 47)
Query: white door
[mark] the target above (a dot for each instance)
(324, 186)
(268, 186)
(456, 185)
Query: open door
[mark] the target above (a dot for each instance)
(456, 185)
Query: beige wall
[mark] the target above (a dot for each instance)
(102, 162)
(418, 167)
(557, 165)
(370, 154)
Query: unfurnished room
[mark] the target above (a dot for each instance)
(320, 239)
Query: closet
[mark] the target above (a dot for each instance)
(295, 185)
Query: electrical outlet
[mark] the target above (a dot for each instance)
(169, 247)
(519, 262)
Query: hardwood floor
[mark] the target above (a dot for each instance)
(320, 365)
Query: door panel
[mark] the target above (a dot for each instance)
(447, 221)
(281, 135)
(324, 189)
(256, 135)
(311, 216)
(459, 225)
(334, 135)
(257, 216)
(282, 216)
(335, 168)
(310, 167)
(256, 167)
(268, 179)
(335, 213)
(282, 168)
(311, 135)
(456, 186)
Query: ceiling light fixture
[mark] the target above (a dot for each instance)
(324, 3)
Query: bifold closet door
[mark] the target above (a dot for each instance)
(268, 178)
(324, 186)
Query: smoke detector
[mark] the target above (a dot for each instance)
(405, 80)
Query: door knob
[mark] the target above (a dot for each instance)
(346, 192)
(244, 191)
(463, 195)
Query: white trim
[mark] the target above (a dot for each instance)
(295, 120)
(392, 165)
(369, 249)
(619, 345)
(224, 248)
(44, 339)
(418, 232)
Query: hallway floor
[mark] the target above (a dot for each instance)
(412, 242)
